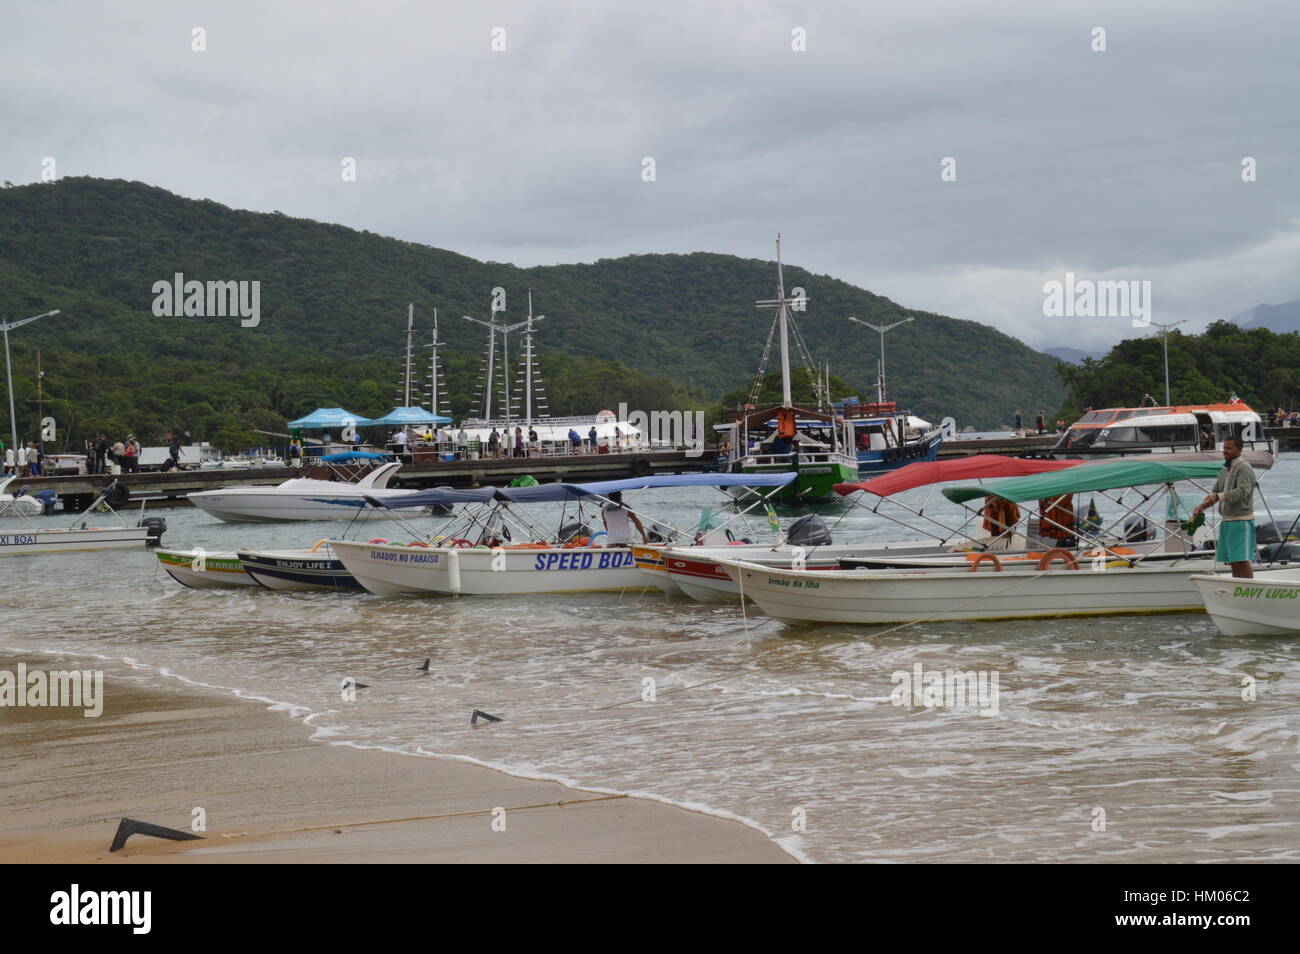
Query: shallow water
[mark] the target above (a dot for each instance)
(1141, 718)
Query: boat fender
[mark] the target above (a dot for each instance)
(1056, 553)
(376, 540)
(975, 563)
(640, 467)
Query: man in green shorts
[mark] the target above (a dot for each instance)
(1234, 492)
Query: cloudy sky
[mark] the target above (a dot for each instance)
(1117, 164)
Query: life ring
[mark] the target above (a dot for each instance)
(640, 467)
(576, 542)
(997, 564)
(418, 543)
(325, 540)
(460, 542)
(591, 541)
(377, 540)
(1051, 556)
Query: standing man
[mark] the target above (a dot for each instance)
(1234, 492)
(591, 440)
(174, 452)
(1039, 422)
(615, 516)
(1019, 422)
(9, 461)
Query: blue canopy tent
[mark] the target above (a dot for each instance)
(352, 457)
(543, 493)
(328, 419)
(404, 416)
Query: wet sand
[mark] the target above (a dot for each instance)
(272, 795)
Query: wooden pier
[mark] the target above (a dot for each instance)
(426, 470)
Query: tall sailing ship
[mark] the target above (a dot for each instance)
(812, 442)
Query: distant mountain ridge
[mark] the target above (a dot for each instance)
(1277, 318)
(333, 300)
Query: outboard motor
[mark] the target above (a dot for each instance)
(1138, 529)
(574, 530)
(48, 499)
(1280, 552)
(157, 526)
(1270, 532)
(809, 531)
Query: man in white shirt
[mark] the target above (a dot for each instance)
(20, 461)
(9, 460)
(615, 517)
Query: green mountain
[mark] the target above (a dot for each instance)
(1260, 366)
(654, 331)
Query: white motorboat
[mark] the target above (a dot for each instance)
(479, 557)
(987, 591)
(1267, 605)
(201, 570)
(316, 569)
(81, 536)
(23, 505)
(900, 596)
(693, 571)
(306, 498)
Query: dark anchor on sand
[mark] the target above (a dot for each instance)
(425, 667)
(130, 826)
(480, 714)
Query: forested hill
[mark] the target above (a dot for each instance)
(333, 307)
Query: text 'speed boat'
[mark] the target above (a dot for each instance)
(305, 498)
(1059, 585)
(479, 554)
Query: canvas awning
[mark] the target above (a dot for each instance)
(328, 418)
(405, 416)
(1101, 475)
(979, 467)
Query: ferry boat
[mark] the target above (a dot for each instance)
(1149, 429)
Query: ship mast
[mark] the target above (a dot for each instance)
(781, 304)
(493, 328)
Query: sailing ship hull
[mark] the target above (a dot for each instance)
(392, 570)
(881, 597)
(816, 482)
(1267, 605)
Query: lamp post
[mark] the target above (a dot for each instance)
(880, 383)
(1164, 337)
(9, 371)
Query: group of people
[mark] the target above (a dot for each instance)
(1040, 423)
(1284, 418)
(27, 461)
(500, 443)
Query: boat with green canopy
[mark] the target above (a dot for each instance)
(1141, 561)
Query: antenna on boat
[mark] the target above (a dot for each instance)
(880, 379)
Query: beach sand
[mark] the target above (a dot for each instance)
(272, 795)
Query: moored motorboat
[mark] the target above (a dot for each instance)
(306, 498)
(36, 539)
(317, 568)
(1266, 605)
(204, 571)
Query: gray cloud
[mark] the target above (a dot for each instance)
(1123, 164)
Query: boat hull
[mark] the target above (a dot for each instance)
(874, 462)
(248, 506)
(1268, 605)
(214, 571)
(392, 570)
(877, 597)
(58, 540)
(297, 570)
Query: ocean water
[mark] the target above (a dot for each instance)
(1115, 739)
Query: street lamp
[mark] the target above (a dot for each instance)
(1164, 337)
(9, 371)
(880, 383)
